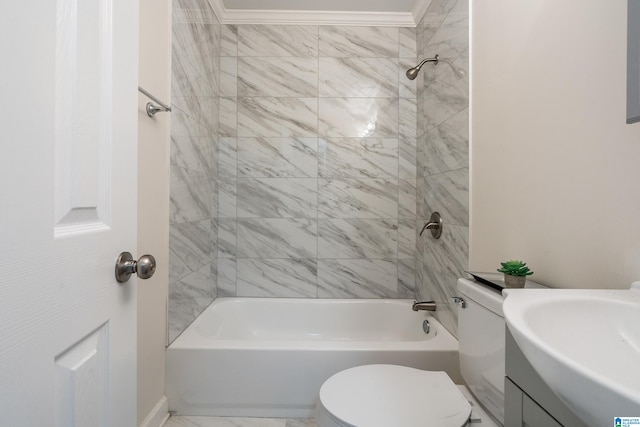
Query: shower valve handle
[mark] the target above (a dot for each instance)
(434, 224)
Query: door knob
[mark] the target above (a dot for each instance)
(126, 266)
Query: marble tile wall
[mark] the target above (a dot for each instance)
(303, 161)
(317, 162)
(442, 153)
(194, 162)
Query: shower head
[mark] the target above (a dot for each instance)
(412, 72)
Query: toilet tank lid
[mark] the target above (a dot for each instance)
(484, 295)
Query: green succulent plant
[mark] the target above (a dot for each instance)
(515, 268)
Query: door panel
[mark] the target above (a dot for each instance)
(81, 381)
(82, 114)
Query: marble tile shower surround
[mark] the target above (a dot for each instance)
(442, 153)
(303, 160)
(194, 162)
(317, 162)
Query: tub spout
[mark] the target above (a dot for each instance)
(424, 305)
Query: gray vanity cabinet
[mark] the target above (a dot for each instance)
(528, 399)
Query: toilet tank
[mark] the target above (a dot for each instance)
(481, 336)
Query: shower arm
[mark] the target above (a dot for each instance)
(435, 60)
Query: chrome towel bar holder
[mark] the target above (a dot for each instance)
(152, 109)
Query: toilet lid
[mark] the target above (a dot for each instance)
(390, 395)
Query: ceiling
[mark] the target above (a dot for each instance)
(401, 13)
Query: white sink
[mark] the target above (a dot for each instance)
(585, 344)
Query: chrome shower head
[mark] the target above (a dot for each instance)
(412, 72)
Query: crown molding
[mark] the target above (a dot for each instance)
(218, 9)
(315, 17)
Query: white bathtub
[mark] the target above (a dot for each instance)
(268, 357)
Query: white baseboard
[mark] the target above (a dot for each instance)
(158, 415)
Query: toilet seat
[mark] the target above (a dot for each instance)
(390, 395)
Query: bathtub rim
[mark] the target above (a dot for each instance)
(191, 338)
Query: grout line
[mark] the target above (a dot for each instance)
(317, 161)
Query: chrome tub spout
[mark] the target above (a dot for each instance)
(424, 305)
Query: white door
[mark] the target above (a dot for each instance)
(68, 113)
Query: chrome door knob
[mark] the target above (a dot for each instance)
(126, 266)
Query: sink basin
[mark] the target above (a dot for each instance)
(585, 344)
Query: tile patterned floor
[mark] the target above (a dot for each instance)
(192, 421)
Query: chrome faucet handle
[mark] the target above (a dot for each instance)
(434, 224)
(429, 226)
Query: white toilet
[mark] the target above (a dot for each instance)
(399, 396)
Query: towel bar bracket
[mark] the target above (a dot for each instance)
(151, 108)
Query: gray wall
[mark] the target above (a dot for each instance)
(194, 162)
(317, 162)
(443, 153)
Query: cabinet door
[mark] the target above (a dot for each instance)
(512, 404)
(534, 416)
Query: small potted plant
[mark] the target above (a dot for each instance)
(515, 273)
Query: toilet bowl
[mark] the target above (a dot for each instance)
(391, 395)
